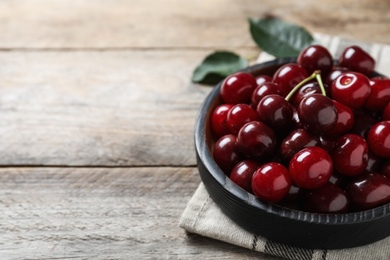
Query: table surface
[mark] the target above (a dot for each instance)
(97, 112)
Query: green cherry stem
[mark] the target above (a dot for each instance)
(316, 75)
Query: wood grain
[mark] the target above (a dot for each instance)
(102, 213)
(99, 108)
(106, 24)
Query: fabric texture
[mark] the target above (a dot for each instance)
(204, 217)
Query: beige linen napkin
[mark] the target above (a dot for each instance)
(204, 217)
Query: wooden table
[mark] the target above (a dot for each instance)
(97, 112)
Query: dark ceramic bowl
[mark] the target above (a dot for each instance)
(285, 225)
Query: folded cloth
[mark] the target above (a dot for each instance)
(204, 217)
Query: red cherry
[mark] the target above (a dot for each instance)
(311, 167)
(238, 116)
(345, 120)
(263, 90)
(327, 199)
(316, 57)
(306, 90)
(226, 153)
(380, 94)
(257, 141)
(296, 141)
(317, 113)
(218, 120)
(238, 88)
(288, 76)
(356, 59)
(261, 79)
(350, 155)
(369, 190)
(374, 163)
(363, 123)
(379, 139)
(351, 89)
(334, 73)
(242, 174)
(294, 195)
(271, 182)
(275, 111)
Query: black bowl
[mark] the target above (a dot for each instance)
(274, 222)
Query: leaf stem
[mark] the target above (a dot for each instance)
(292, 92)
(319, 80)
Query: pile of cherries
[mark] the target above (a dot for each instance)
(314, 136)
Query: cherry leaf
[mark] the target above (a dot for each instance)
(218, 65)
(279, 38)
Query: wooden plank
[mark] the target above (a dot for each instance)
(99, 108)
(102, 213)
(47, 24)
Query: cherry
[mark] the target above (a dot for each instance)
(257, 141)
(263, 90)
(261, 79)
(242, 174)
(288, 76)
(327, 143)
(374, 163)
(311, 167)
(238, 88)
(296, 141)
(316, 57)
(296, 122)
(379, 139)
(334, 73)
(338, 179)
(306, 90)
(294, 195)
(350, 155)
(356, 59)
(345, 120)
(238, 116)
(369, 190)
(226, 153)
(218, 120)
(317, 113)
(380, 94)
(351, 89)
(271, 182)
(386, 112)
(275, 111)
(327, 199)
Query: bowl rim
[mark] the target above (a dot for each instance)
(251, 200)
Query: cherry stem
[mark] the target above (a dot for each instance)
(316, 75)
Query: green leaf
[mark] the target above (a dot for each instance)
(217, 66)
(280, 38)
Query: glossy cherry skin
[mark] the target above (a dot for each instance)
(356, 59)
(306, 90)
(316, 57)
(379, 139)
(257, 141)
(327, 199)
(242, 174)
(275, 111)
(345, 120)
(238, 88)
(334, 73)
(238, 116)
(288, 76)
(296, 141)
(351, 89)
(263, 90)
(218, 120)
(311, 167)
(350, 155)
(226, 154)
(380, 94)
(261, 79)
(369, 190)
(386, 112)
(271, 182)
(317, 113)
